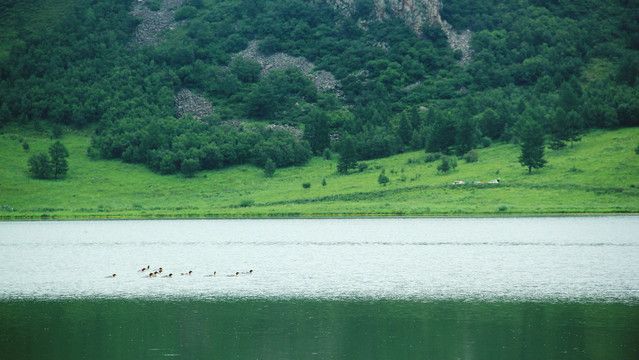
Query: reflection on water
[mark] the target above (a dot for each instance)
(582, 258)
(310, 329)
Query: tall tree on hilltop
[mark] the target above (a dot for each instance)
(531, 137)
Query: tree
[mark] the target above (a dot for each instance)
(532, 145)
(59, 155)
(189, 167)
(40, 166)
(383, 179)
(269, 167)
(566, 127)
(316, 131)
(405, 130)
(348, 155)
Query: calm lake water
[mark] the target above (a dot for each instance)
(442, 288)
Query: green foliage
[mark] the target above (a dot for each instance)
(447, 164)
(348, 155)
(323, 182)
(532, 145)
(471, 156)
(185, 12)
(189, 167)
(269, 168)
(382, 179)
(529, 57)
(306, 185)
(25, 146)
(59, 163)
(40, 166)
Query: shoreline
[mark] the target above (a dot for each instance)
(311, 216)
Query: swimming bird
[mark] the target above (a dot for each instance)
(189, 273)
(110, 276)
(248, 273)
(168, 276)
(214, 273)
(236, 274)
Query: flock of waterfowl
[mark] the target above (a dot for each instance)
(159, 272)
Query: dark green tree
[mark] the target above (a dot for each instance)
(348, 155)
(316, 131)
(189, 167)
(405, 130)
(59, 155)
(531, 138)
(40, 166)
(269, 168)
(467, 135)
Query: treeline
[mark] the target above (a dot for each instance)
(566, 67)
(169, 145)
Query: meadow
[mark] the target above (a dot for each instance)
(599, 175)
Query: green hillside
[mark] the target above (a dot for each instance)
(175, 107)
(599, 175)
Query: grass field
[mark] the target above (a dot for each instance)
(599, 175)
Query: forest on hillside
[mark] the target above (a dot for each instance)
(565, 66)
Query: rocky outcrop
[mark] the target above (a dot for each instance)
(415, 14)
(186, 102)
(324, 80)
(153, 22)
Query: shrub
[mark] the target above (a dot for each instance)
(323, 182)
(471, 156)
(25, 146)
(485, 142)
(246, 203)
(383, 179)
(637, 150)
(430, 157)
(269, 168)
(327, 154)
(448, 163)
(362, 166)
(185, 12)
(503, 208)
(306, 185)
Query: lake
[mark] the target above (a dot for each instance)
(442, 288)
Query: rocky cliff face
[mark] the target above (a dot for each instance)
(416, 13)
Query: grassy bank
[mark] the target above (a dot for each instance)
(599, 175)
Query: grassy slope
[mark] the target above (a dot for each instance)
(594, 177)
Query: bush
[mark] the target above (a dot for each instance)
(246, 203)
(383, 179)
(448, 163)
(269, 168)
(185, 12)
(25, 146)
(430, 157)
(362, 166)
(327, 154)
(485, 142)
(306, 185)
(637, 150)
(471, 156)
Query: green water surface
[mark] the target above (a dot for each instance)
(316, 329)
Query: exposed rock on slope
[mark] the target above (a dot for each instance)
(415, 14)
(324, 80)
(153, 22)
(186, 102)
